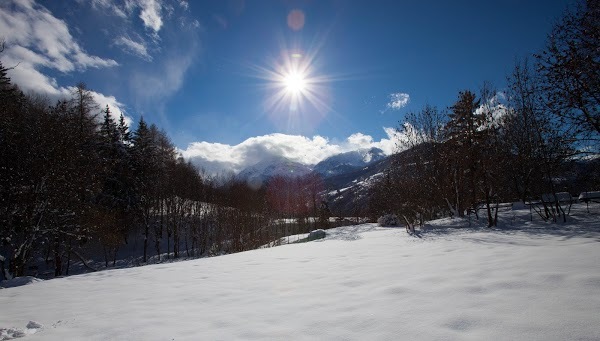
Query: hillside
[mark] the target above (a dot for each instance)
(273, 167)
(348, 162)
(349, 191)
(527, 281)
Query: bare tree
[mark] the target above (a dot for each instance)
(570, 70)
(535, 143)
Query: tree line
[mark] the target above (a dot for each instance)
(77, 186)
(538, 137)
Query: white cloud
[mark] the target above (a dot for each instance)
(217, 157)
(150, 11)
(360, 139)
(35, 39)
(109, 5)
(32, 32)
(398, 100)
(151, 14)
(134, 47)
(184, 4)
(151, 84)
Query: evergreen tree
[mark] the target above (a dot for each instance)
(145, 166)
(462, 149)
(118, 194)
(109, 132)
(124, 133)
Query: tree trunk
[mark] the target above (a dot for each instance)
(69, 257)
(57, 259)
(146, 231)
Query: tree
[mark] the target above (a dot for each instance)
(417, 178)
(324, 214)
(491, 177)
(463, 139)
(9, 93)
(109, 132)
(145, 161)
(20, 183)
(570, 71)
(534, 142)
(117, 197)
(124, 133)
(314, 185)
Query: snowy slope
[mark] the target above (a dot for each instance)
(348, 162)
(269, 168)
(348, 192)
(537, 282)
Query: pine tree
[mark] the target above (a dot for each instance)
(108, 130)
(463, 136)
(145, 165)
(116, 197)
(462, 129)
(124, 134)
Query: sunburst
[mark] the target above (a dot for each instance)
(297, 93)
(295, 88)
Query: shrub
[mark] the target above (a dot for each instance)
(388, 220)
(316, 234)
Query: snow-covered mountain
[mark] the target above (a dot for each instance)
(272, 167)
(347, 176)
(347, 192)
(348, 162)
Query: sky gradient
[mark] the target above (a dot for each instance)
(210, 72)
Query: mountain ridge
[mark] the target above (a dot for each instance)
(348, 161)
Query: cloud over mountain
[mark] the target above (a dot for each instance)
(216, 158)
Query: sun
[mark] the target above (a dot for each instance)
(294, 82)
(298, 96)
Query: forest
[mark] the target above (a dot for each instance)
(76, 183)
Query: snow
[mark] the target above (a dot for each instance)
(338, 191)
(348, 161)
(18, 281)
(526, 281)
(272, 167)
(562, 197)
(589, 195)
(12, 333)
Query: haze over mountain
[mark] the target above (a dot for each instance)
(271, 167)
(348, 161)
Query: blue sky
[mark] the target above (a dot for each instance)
(206, 71)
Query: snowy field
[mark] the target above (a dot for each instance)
(526, 281)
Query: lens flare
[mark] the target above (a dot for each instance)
(295, 20)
